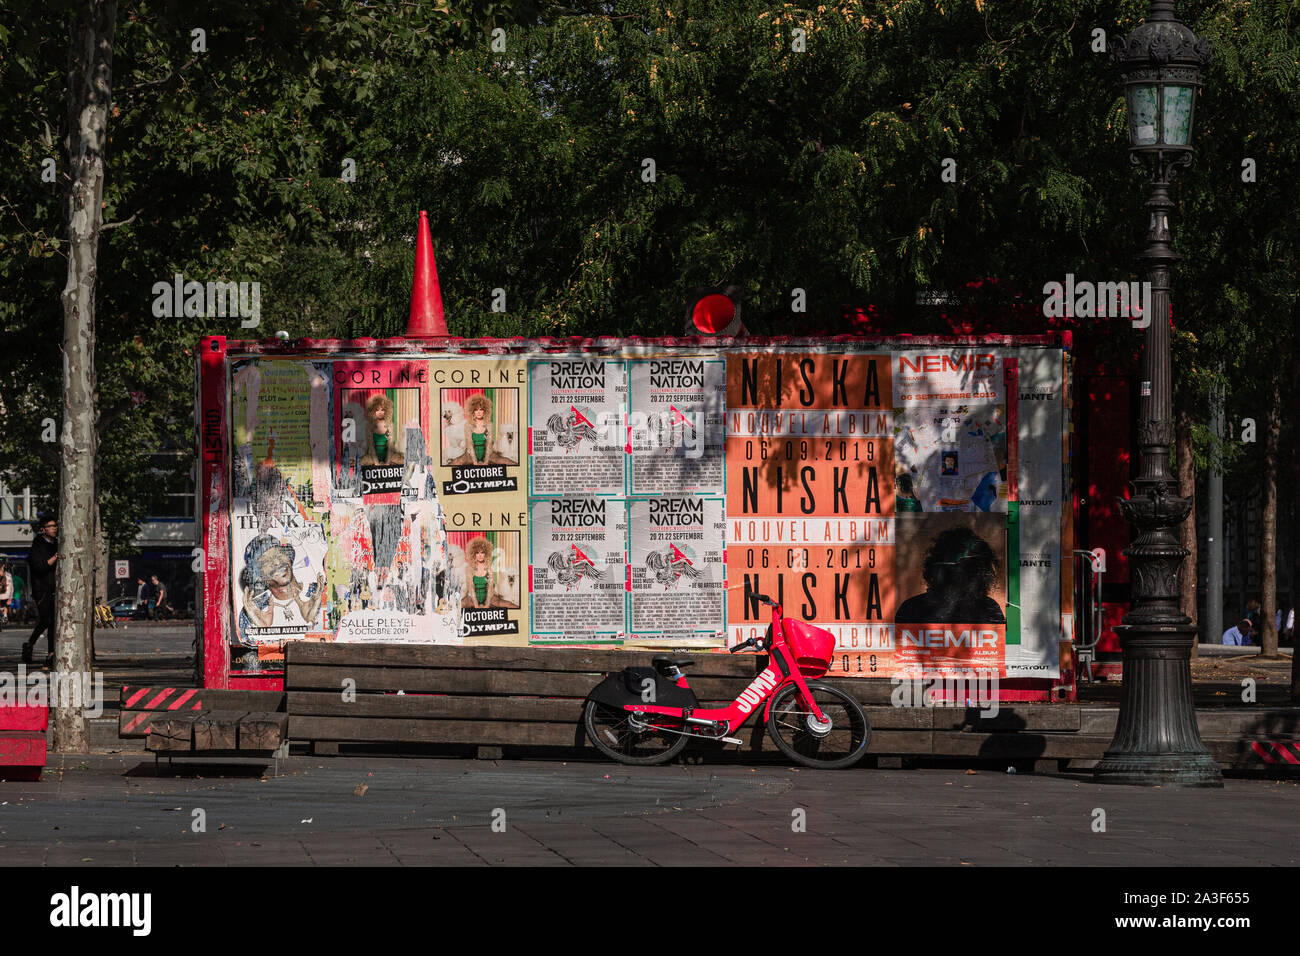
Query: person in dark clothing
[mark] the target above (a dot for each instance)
(960, 570)
(41, 559)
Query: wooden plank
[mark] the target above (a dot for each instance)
(1009, 717)
(138, 723)
(1211, 723)
(864, 690)
(1019, 746)
(1249, 722)
(561, 659)
(145, 697)
(429, 707)
(396, 730)
(1098, 720)
(218, 730)
(898, 718)
(307, 677)
(174, 732)
(262, 731)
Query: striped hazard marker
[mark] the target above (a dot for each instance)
(144, 702)
(1276, 751)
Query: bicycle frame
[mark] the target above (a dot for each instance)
(780, 671)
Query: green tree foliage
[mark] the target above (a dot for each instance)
(776, 168)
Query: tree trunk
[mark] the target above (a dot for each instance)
(90, 71)
(1268, 529)
(1190, 577)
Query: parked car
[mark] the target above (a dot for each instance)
(126, 608)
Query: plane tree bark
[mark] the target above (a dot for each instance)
(90, 73)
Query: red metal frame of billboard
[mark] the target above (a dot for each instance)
(212, 424)
(212, 433)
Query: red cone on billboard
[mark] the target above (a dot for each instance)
(427, 317)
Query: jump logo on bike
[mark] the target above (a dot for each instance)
(755, 693)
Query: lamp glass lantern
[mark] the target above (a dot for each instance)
(1161, 107)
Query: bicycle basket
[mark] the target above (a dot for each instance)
(812, 647)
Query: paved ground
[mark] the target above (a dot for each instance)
(112, 810)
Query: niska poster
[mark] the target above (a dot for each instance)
(877, 495)
(810, 499)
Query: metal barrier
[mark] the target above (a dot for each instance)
(1089, 567)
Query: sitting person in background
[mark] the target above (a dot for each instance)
(1239, 634)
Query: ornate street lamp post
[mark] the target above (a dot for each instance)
(1156, 738)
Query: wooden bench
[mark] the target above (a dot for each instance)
(22, 741)
(205, 722)
(505, 701)
(483, 697)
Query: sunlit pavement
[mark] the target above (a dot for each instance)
(110, 810)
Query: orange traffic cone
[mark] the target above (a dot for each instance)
(427, 317)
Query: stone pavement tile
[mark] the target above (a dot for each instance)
(581, 845)
(927, 860)
(427, 847)
(1035, 848)
(654, 843)
(827, 852)
(1006, 859)
(323, 852)
(420, 858)
(25, 855)
(761, 842)
(511, 848)
(89, 856)
(282, 852)
(179, 854)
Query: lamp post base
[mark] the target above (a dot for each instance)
(1157, 741)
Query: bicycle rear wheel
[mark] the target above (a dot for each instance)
(612, 732)
(793, 728)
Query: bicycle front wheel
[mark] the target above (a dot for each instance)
(611, 730)
(795, 731)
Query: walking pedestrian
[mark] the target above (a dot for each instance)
(6, 592)
(20, 593)
(41, 559)
(160, 596)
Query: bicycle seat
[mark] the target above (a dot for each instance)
(672, 662)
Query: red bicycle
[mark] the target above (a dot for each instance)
(645, 715)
